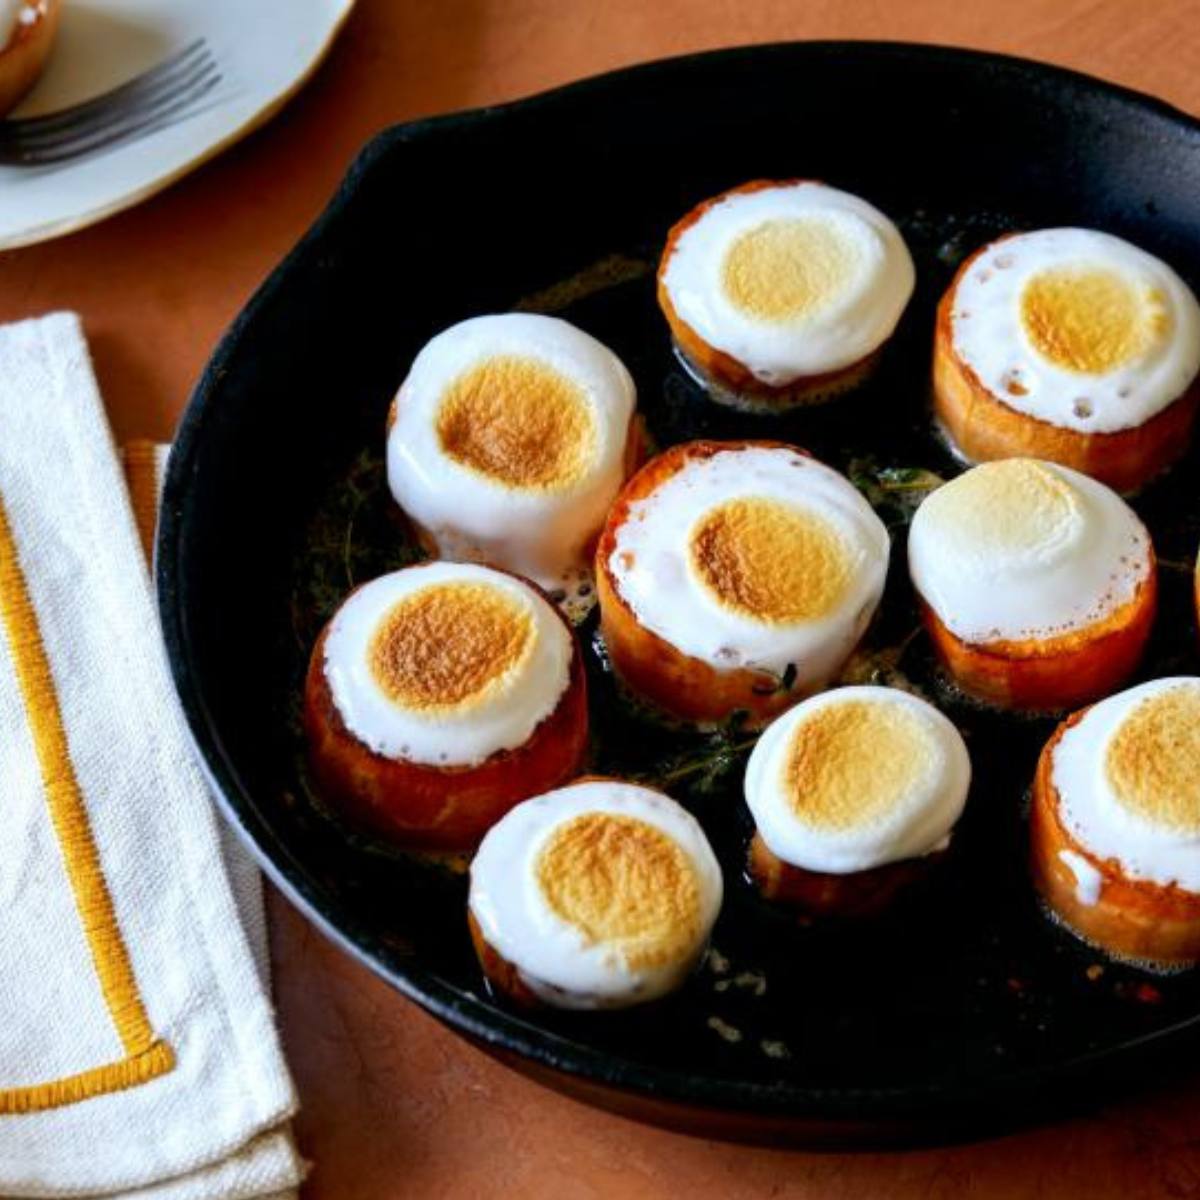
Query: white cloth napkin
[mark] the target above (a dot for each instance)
(138, 1051)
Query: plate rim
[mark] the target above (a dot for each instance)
(49, 230)
(986, 1107)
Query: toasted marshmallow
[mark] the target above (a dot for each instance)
(601, 894)
(1077, 328)
(446, 663)
(754, 557)
(14, 14)
(1023, 549)
(790, 280)
(508, 443)
(1127, 776)
(856, 778)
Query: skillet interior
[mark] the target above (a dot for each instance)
(964, 1010)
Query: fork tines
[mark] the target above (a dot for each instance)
(146, 102)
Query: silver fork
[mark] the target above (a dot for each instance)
(147, 102)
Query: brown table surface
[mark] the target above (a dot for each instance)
(394, 1105)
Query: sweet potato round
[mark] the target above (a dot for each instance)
(427, 807)
(725, 371)
(1055, 673)
(671, 681)
(983, 428)
(822, 894)
(1131, 919)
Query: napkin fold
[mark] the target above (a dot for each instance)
(138, 1051)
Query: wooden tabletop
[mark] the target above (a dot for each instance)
(393, 1105)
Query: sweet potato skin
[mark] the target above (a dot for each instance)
(983, 428)
(1131, 919)
(723, 369)
(421, 806)
(671, 681)
(820, 894)
(1061, 672)
(1196, 594)
(499, 972)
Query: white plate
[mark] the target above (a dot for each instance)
(266, 50)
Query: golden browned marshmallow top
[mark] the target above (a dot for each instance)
(445, 646)
(519, 421)
(772, 561)
(623, 882)
(1153, 760)
(849, 764)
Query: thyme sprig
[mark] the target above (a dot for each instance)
(706, 764)
(894, 492)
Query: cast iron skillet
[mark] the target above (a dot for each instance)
(965, 1011)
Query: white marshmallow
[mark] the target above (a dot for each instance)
(856, 313)
(990, 336)
(1094, 815)
(503, 719)
(542, 533)
(1022, 548)
(554, 957)
(913, 822)
(654, 573)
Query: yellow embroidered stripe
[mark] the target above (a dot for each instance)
(100, 1081)
(146, 1057)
